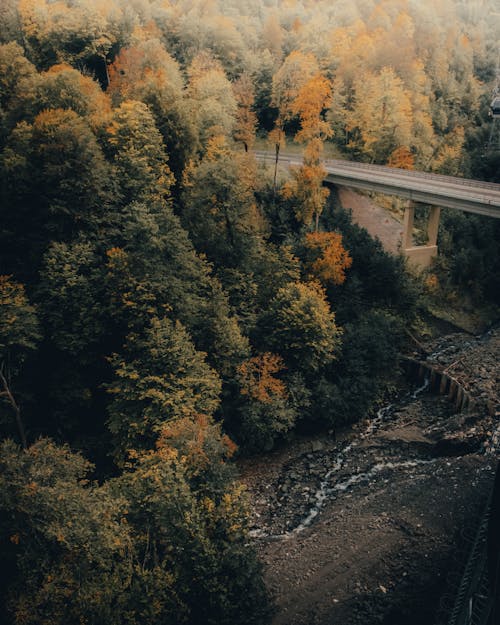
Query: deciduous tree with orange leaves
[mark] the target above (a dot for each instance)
(305, 187)
(257, 376)
(331, 258)
(267, 410)
(307, 182)
(246, 119)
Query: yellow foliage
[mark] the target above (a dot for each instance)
(313, 97)
(217, 147)
(334, 259)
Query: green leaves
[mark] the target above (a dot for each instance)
(138, 153)
(301, 326)
(64, 545)
(219, 205)
(154, 545)
(159, 378)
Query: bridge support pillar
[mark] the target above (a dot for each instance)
(409, 218)
(433, 225)
(420, 255)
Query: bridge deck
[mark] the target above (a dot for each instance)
(447, 191)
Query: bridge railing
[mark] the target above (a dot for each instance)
(393, 171)
(412, 174)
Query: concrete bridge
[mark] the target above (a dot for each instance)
(472, 196)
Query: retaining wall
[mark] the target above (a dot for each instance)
(440, 382)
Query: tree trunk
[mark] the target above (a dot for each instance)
(277, 146)
(106, 70)
(17, 411)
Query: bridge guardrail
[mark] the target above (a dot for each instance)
(464, 194)
(393, 171)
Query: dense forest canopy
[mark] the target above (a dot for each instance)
(167, 303)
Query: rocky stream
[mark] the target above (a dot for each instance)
(370, 526)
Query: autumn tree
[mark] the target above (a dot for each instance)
(382, 116)
(258, 379)
(146, 72)
(330, 259)
(277, 139)
(213, 105)
(401, 158)
(220, 210)
(267, 410)
(295, 71)
(193, 27)
(15, 70)
(246, 119)
(305, 188)
(66, 554)
(62, 32)
(205, 451)
(272, 35)
(156, 544)
(188, 537)
(307, 182)
(63, 87)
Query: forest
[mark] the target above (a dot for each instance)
(169, 304)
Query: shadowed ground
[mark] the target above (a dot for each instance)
(376, 220)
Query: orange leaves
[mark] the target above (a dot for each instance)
(313, 97)
(115, 253)
(431, 283)
(276, 137)
(305, 188)
(217, 147)
(245, 116)
(12, 294)
(382, 115)
(33, 16)
(117, 267)
(190, 434)
(331, 265)
(125, 71)
(402, 158)
(197, 441)
(310, 100)
(296, 70)
(257, 376)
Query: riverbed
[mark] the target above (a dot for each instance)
(369, 527)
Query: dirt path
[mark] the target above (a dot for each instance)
(398, 495)
(375, 219)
